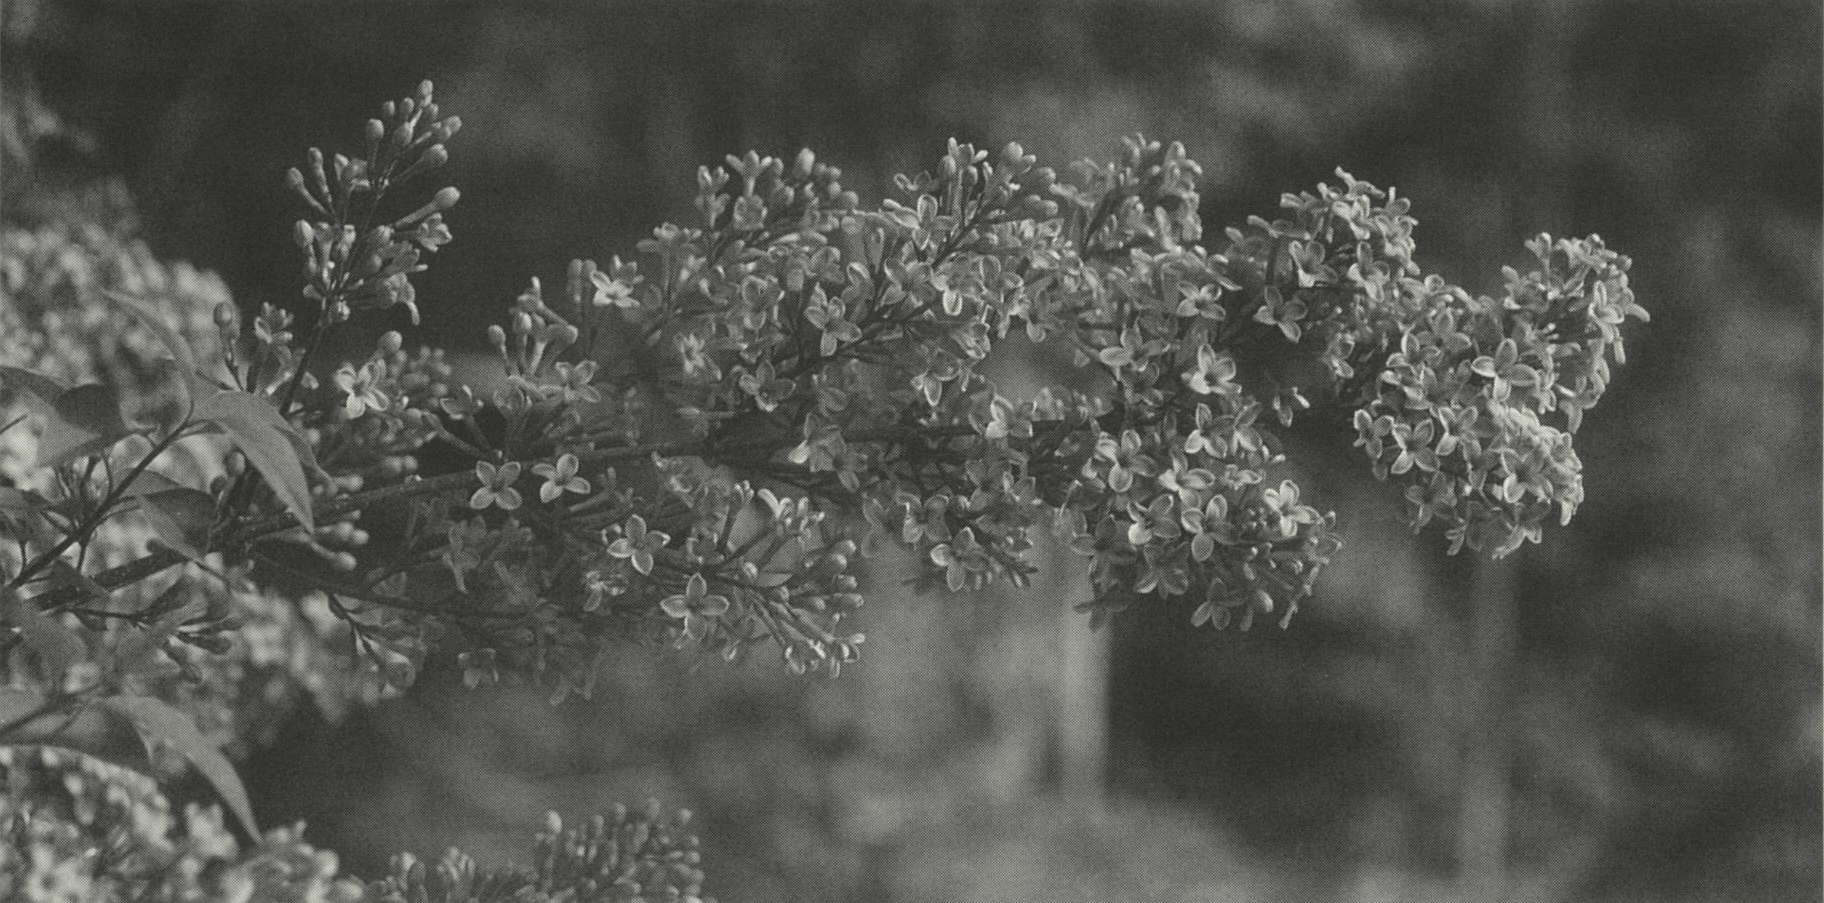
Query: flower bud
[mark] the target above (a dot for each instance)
(1261, 602)
(434, 156)
(562, 336)
(225, 315)
(391, 341)
(295, 181)
(398, 674)
(302, 234)
(445, 198)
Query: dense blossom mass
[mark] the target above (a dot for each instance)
(696, 444)
(797, 359)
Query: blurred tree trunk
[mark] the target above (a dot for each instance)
(1485, 815)
(1083, 671)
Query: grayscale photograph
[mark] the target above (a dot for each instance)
(911, 451)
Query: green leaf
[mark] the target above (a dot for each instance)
(66, 725)
(269, 443)
(16, 701)
(149, 483)
(40, 388)
(22, 500)
(158, 722)
(154, 320)
(57, 646)
(182, 518)
(78, 421)
(64, 574)
(172, 406)
(82, 421)
(166, 402)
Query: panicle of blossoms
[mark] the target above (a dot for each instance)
(355, 257)
(795, 359)
(823, 358)
(720, 425)
(1475, 411)
(77, 828)
(623, 856)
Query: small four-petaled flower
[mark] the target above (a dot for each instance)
(638, 544)
(363, 388)
(496, 486)
(560, 478)
(613, 292)
(574, 382)
(1215, 373)
(696, 606)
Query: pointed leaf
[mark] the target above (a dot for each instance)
(64, 574)
(82, 421)
(22, 500)
(66, 725)
(16, 701)
(150, 482)
(57, 646)
(158, 722)
(78, 421)
(154, 321)
(269, 443)
(43, 390)
(165, 404)
(181, 517)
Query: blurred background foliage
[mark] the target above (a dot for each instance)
(1628, 712)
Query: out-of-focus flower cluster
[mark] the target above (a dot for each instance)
(56, 319)
(624, 856)
(74, 829)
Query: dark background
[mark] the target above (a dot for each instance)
(1630, 712)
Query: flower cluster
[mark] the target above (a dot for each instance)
(1476, 410)
(57, 317)
(625, 856)
(796, 360)
(694, 445)
(76, 828)
(351, 262)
